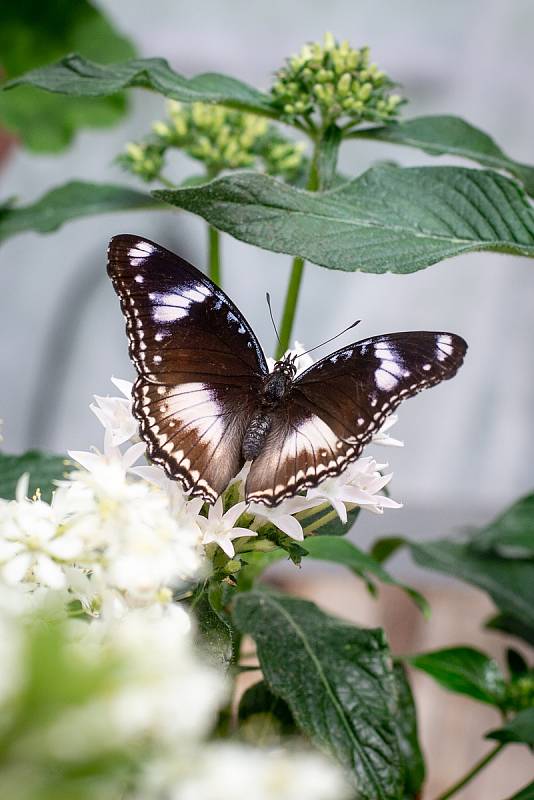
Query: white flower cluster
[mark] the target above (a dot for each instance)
(126, 701)
(109, 535)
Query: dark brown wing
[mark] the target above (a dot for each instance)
(337, 404)
(200, 366)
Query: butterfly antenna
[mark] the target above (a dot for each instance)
(268, 298)
(330, 340)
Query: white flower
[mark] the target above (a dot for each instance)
(108, 469)
(32, 546)
(219, 527)
(359, 485)
(267, 775)
(382, 437)
(303, 359)
(282, 515)
(115, 413)
(157, 692)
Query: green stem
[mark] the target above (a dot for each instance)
(472, 772)
(311, 512)
(166, 182)
(214, 258)
(297, 268)
(331, 515)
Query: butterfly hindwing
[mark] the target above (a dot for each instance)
(336, 405)
(200, 366)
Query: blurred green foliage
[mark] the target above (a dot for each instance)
(33, 33)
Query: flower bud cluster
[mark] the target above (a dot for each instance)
(520, 692)
(144, 159)
(333, 80)
(221, 138)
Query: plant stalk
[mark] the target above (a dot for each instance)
(297, 268)
(214, 255)
(472, 773)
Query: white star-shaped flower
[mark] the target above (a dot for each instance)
(115, 413)
(33, 547)
(283, 515)
(382, 436)
(359, 485)
(219, 527)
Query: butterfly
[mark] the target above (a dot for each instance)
(205, 399)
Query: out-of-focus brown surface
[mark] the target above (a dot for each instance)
(451, 726)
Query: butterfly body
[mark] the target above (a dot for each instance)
(206, 401)
(276, 387)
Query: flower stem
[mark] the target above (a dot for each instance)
(297, 268)
(331, 515)
(472, 772)
(214, 258)
(166, 182)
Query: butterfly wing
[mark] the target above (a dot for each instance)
(200, 366)
(336, 405)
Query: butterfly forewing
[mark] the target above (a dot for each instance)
(200, 366)
(337, 404)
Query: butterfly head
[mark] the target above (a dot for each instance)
(287, 366)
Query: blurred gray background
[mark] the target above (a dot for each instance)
(469, 443)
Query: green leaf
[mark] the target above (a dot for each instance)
(384, 548)
(327, 157)
(406, 720)
(448, 135)
(342, 551)
(387, 220)
(48, 123)
(512, 533)
(79, 77)
(517, 666)
(43, 468)
(263, 717)
(464, 670)
(506, 623)
(509, 582)
(525, 794)
(71, 201)
(256, 563)
(215, 634)
(338, 683)
(519, 730)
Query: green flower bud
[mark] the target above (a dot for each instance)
(332, 80)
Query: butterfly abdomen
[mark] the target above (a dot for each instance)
(257, 431)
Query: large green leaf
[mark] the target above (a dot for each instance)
(70, 201)
(406, 720)
(336, 679)
(512, 533)
(33, 33)
(448, 135)
(509, 582)
(464, 670)
(387, 220)
(43, 469)
(520, 729)
(79, 77)
(342, 551)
